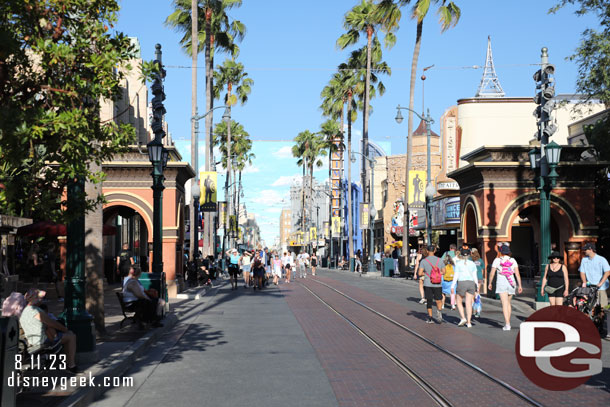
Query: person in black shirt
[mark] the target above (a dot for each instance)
(124, 261)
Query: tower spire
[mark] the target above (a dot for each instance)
(490, 84)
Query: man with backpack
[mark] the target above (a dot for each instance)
(432, 269)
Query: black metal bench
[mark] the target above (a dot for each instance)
(126, 310)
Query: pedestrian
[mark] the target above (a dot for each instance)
(420, 279)
(358, 261)
(448, 279)
(305, 258)
(452, 252)
(267, 265)
(395, 257)
(508, 271)
(465, 285)
(259, 271)
(594, 270)
(432, 269)
(287, 263)
(276, 264)
(246, 262)
(555, 282)
(124, 261)
(481, 271)
(314, 262)
(233, 267)
(377, 258)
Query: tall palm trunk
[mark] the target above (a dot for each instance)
(303, 203)
(341, 190)
(238, 198)
(194, 135)
(365, 112)
(208, 229)
(405, 230)
(350, 241)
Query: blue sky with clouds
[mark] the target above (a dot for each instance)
(289, 51)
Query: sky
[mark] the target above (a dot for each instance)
(289, 51)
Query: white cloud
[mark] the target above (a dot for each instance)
(284, 152)
(250, 169)
(268, 197)
(285, 180)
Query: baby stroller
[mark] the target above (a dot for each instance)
(584, 299)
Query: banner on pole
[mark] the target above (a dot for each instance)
(326, 229)
(222, 214)
(364, 216)
(313, 234)
(207, 183)
(336, 226)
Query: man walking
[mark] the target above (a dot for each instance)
(595, 270)
(124, 261)
(430, 267)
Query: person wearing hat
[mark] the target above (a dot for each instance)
(594, 270)
(233, 267)
(42, 330)
(465, 284)
(555, 280)
(508, 271)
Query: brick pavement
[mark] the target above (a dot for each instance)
(359, 374)
(498, 361)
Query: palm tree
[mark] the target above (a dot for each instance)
(342, 87)
(366, 18)
(308, 148)
(215, 29)
(449, 15)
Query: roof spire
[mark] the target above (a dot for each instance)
(490, 85)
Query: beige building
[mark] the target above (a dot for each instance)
(285, 227)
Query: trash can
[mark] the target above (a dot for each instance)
(9, 343)
(388, 268)
(158, 282)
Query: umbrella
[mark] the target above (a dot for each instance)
(47, 228)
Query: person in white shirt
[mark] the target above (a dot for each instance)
(465, 284)
(287, 263)
(506, 286)
(304, 264)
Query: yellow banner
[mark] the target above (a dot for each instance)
(222, 214)
(336, 226)
(364, 216)
(313, 234)
(326, 228)
(208, 194)
(417, 188)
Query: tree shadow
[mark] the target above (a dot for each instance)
(197, 338)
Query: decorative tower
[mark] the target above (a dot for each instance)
(490, 84)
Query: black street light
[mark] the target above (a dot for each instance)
(158, 157)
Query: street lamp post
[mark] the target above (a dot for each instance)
(428, 120)
(371, 162)
(545, 158)
(158, 156)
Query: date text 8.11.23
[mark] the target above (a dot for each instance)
(36, 362)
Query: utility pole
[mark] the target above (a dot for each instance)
(194, 124)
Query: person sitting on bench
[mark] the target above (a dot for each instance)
(144, 302)
(42, 330)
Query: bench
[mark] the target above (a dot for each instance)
(125, 309)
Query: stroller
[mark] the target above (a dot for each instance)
(584, 299)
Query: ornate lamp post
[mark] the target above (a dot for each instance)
(158, 156)
(429, 121)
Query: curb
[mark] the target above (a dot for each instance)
(120, 364)
(520, 304)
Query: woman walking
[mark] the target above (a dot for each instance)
(314, 263)
(259, 271)
(287, 262)
(233, 267)
(508, 271)
(420, 279)
(277, 268)
(481, 272)
(465, 285)
(246, 262)
(555, 282)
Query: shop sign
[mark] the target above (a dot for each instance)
(7, 221)
(446, 211)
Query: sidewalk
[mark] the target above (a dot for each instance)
(116, 351)
(524, 302)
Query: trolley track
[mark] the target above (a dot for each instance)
(400, 362)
